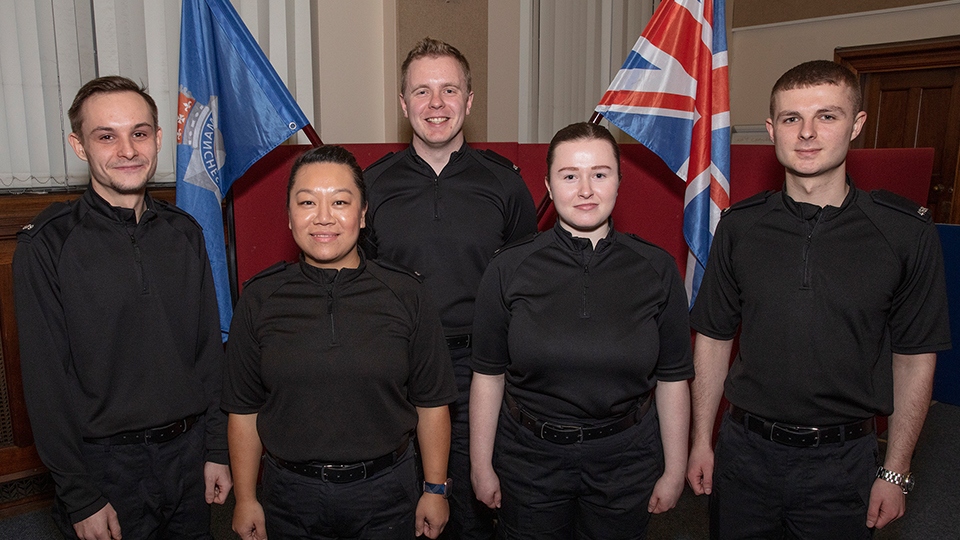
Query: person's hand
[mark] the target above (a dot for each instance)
(103, 525)
(248, 521)
(700, 470)
(432, 515)
(486, 485)
(218, 482)
(887, 503)
(666, 493)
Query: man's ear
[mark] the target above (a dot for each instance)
(77, 146)
(858, 122)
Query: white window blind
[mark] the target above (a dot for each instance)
(578, 46)
(46, 49)
(49, 48)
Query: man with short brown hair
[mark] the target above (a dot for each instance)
(443, 208)
(840, 299)
(120, 340)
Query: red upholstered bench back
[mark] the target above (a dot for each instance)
(650, 202)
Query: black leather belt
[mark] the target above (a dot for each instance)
(801, 436)
(149, 436)
(561, 434)
(340, 473)
(458, 342)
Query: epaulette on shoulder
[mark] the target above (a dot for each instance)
(756, 200)
(175, 209)
(902, 204)
(637, 238)
(644, 241)
(499, 160)
(525, 240)
(46, 216)
(397, 267)
(381, 161)
(276, 268)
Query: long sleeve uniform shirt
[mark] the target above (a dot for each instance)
(118, 331)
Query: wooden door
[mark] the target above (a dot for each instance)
(912, 99)
(919, 108)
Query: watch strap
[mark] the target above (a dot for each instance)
(894, 478)
(438, 489)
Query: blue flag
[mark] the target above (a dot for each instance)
(232, 109)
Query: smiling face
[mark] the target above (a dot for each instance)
(326, 214)
(582, 181)
(811, 129)
(436, 101)
(120, 143)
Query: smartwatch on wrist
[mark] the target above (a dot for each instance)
(439, 489)
(905, 481)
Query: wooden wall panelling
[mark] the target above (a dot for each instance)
(23, 478)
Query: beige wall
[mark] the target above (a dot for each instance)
(503, 72)
(760, 54)
(756, 12)
(461, 23)
(351, 72)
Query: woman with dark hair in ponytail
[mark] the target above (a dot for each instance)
(334, 364)
(576, 332)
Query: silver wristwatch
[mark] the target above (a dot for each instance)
(905, 481)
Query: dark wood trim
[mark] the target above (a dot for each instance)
(901, 56)
(17, 210)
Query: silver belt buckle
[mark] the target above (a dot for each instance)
(342, 468)
(562, 429)
(799, 431)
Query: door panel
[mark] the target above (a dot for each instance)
(912, 99)
(918, 108)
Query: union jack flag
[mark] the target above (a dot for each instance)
(672, 96)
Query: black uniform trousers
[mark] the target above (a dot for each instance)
(470, 519)
(382, 507)
(590, 490)
(766, 490)
(157, 489)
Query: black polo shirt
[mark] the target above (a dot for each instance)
(446, 226)
(335, 362)
(825, 297)
(582, 333)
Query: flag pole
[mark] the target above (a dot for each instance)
(231, 229)
(544, 204)
(312, 135)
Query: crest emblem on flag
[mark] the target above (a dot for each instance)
(232, 109)
(198, 128)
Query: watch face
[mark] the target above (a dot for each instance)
(907, 483)
(448, 488)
